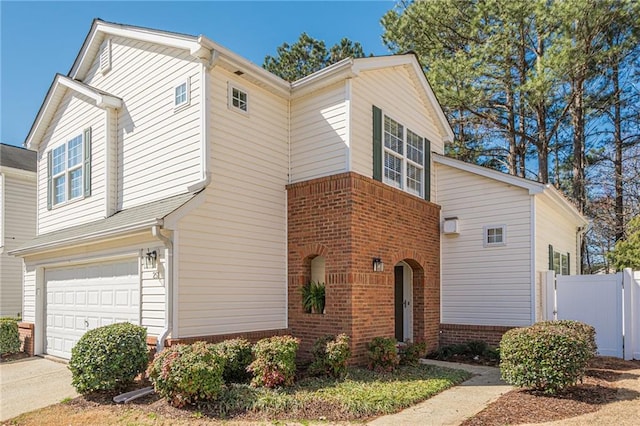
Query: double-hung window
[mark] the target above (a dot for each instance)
(69, 170)
(404, 158)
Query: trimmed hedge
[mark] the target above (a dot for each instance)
(237, 356)
(547, 356)
(410, 353)
(9, 336)
(109, 357)
(274, 361)
(330, 355)
(187, 374)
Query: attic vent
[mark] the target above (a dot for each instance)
(105, 56)
(238, 72)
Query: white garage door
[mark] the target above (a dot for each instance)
(84, 297)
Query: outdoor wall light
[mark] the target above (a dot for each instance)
(151, 260)
(378, 265)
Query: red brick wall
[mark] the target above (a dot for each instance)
(252, 336)
(27, 336)
(451, 334)
(351, 219)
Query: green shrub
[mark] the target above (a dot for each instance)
(237, 357)
(330, 355)
(546, 356)
(382, 354)
(313, 297)
(410, 353)
(187, 374)
(9, 336)
(274, 361)
(109, 357)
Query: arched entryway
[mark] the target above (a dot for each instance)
(403, 302)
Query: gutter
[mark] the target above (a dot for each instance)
(168, 291)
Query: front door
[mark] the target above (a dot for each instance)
(403, 302)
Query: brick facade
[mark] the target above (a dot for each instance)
(451, 334)
(350, 219)
(27, 336)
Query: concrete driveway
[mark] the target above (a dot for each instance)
(32, 383)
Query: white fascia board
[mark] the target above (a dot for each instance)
(324, 77)
(531, 186)
(556, 196)
(20, 173)
(46, 112)
(171, 220)
(101, 235)
(221, 53)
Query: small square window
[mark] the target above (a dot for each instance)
(238, 99)
(181, 94)
(495, 235)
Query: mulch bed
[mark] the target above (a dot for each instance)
(13, 357)
(525, 406)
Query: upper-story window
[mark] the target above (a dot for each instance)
(69, 170)
(238, 99)
(404, 158)
(181, 93)
(495, 235)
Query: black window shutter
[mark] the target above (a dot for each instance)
(49, 181)
(377, 143)
(87, 162)
(551, 258)
(568, 263)
(427, 169)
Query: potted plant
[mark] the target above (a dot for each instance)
(313, 297)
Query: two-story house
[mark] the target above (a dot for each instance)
(17, 221)
(183, 188)
(186, 189)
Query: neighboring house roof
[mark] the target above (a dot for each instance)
(531, 186)
(124, 221)
(18, 158)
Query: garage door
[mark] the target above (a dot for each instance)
(89, 296)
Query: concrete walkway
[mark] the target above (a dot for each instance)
(18, 379)
(454, 405)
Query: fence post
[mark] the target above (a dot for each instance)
(631, 309)
(549, 290)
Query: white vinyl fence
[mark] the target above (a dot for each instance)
(609, 303)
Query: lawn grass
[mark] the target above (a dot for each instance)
(363, 394)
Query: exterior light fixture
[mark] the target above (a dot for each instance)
(151, 260)
(378, 265)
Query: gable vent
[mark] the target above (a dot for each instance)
(105, 56)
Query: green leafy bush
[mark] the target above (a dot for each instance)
(274, 361)
(237, 357)
(109, 357)
(382, 354)
(547, 356)
(410, 353)
(313, 297)
(186, 374)
(330, 355)
(9, 336)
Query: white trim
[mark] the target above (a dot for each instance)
(175, 321)
(102, 100)
(485, 236)
(559, 199)
(348, 115)
(67, 171)
(171, 220)
(2, 209)
(18, 173)
(532, 257)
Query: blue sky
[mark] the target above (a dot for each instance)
(39, 39)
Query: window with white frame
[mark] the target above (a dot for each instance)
(560, 262)
(67, 170)
(403, 158)
(181, 94)
(495, 235)
(238, 99)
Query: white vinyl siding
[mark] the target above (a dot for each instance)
(19, 214)
(553, 227)
(484, 286)
(158, 153)
(232, 249)
(75, 113)
(397, 93)
(152, 297)
(319, 134)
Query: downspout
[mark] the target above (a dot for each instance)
(206, 67)
(579, 235)
(168, 282)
